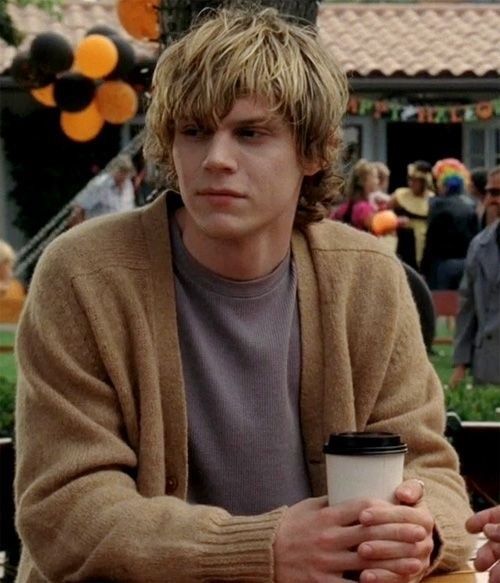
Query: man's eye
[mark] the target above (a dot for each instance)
(249, 133)
(192, 131)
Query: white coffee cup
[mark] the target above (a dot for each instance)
(360, 465)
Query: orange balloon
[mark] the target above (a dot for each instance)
(116, 101)
(96, 56)
(84, 125)
(140, 18)
(384, 222)
(45, 95)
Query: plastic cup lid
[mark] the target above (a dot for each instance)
(364, 443)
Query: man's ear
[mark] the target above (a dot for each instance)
(311, 167)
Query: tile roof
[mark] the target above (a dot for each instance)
(436, 39)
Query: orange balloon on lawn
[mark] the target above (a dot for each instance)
(84, 125)
(116, 101)
(140, 18)
(45, 95)
(384, 222)
(95, 56)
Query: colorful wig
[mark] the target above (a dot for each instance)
(451, 176)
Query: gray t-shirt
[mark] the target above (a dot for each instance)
(240, 348)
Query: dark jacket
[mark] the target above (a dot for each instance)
(452, 224)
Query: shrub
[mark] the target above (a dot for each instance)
(474, 403)
(7, 405)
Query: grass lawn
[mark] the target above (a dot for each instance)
(7, 362)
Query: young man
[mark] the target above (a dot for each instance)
(181, 366)
(477, 334)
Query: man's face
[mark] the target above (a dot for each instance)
(492, 199)
(417, 185)
(241, 179)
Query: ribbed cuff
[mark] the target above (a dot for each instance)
(239, 547)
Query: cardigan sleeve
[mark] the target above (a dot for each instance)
(411, 402)
(79, 512)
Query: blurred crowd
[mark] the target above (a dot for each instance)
(443, 224)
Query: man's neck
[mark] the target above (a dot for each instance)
(241, 259)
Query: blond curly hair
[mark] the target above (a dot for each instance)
(238, 53)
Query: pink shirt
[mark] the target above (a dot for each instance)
(361, 211)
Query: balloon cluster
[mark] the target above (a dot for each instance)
(94, 84)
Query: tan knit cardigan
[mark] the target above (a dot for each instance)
(101, 414)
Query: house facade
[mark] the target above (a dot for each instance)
(424, 79)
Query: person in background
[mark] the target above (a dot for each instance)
(412, 202)
(183, 364)
(488, 557)
(452, 224)
(380, 197)
(12, 293)
(477, 332)
(109, 192)
(358, 210)
(477, 185)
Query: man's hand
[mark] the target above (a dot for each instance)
(487, 521)
(411, 511)
(458, 375)
(319, 543)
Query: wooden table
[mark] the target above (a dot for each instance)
(465, 576)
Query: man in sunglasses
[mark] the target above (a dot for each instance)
(477, 336)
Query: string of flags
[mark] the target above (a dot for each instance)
(400, 112)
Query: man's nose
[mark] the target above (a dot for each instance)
(220, 154)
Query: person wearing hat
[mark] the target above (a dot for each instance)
(109, 192)
(413, 202)
(451, 226)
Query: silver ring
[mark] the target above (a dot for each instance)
(421, 484)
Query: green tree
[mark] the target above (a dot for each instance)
(8, 31)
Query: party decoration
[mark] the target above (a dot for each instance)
(84, 125)
(96, 83)
(384, 222)
(141, 75)
(45, 95)
(101, 29)
(126, 58)
(73, 91)
(96, 56)
(140, 18)
(116, 101)
(25, 73)
(395, 111)
(51, 53)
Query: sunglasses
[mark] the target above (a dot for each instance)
(492, 191)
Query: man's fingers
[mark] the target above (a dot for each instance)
(378, 550)
(396, 514)
(487, 556)
(492, 531)
(348, 512)
(381, 575)
(410, 491)
(477, 522)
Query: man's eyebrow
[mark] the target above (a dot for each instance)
(268, 119)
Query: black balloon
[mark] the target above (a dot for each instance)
(51, 53)
(25, 74)
(101, 29)
(73, 91)
(126, 58)
(141, 75)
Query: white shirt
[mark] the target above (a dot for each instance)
(102, 196)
